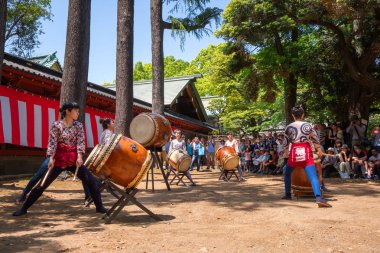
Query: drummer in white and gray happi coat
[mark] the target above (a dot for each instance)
(179, 143)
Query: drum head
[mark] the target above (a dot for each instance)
(105, 152)
(185, 164)
(142, 128)
(231, 163)
(91, 158)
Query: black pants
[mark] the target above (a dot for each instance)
(83, 174)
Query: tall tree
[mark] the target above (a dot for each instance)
(157, 56)
(354, 30)
(3, 18)
(124, 66)
(24, 25)
(197, 19)
(75, 70)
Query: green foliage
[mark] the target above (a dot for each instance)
(198, 19)
(24, 25)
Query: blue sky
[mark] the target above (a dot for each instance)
(103, 37)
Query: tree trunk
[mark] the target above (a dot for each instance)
(157, 56)
(3, 20)
(75, 71)
(124, 66)
(360, 101)
(290, 92)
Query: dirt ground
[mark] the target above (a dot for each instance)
(214, 216)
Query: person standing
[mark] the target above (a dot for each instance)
(231, 142)
(301, 140)
(356, 131)
(66, 148)
(179, 143)
(210, 153)
(195, 146)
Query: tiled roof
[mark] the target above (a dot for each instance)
(28, 66)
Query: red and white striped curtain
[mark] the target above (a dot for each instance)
(26, 119)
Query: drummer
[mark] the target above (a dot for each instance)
(231, 142)
(301, 140)
(179, 143)
(108, 125)
(66, 148)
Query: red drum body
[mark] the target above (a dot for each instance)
(150, 130)
(121, 160)
(179, 160)
(227, 158)
(300, 182)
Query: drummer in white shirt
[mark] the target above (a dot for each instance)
(231, 142)
(179, 143)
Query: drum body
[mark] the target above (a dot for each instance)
(227, 158)
(300, 182)
(179, 160)
(121, 160)
(150, 130)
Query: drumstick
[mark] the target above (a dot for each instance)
(46, 175)
(75, 175)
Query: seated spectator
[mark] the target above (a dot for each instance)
(272, 163)
(359, 161)
(373, 165)
(255, 161)
(263, 160)
(345, 170)
(329, 163)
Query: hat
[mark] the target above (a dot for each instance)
(257, 150)
(344, 146)
(330, 149)
(228, 133)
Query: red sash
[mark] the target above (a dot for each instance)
(65, 156)
(300, 155)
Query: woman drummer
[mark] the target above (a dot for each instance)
(179, 143)
(108, 125)
(302, 140)
(66, 148)
(108, 130)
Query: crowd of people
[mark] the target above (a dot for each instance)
(346, 153)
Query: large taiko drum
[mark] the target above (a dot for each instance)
(227, 158)
(300, 182)
(179, 160)
(150, 130)
(121, 160)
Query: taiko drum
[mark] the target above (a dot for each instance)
(179, 160)
(227, 158)
(121, 160)
(300, 182)
(150, 129)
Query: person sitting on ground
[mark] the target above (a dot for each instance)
(255, 160)
(344, 155)
(359, 161)
(272, 163)
(373, 166)
(329, 163)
